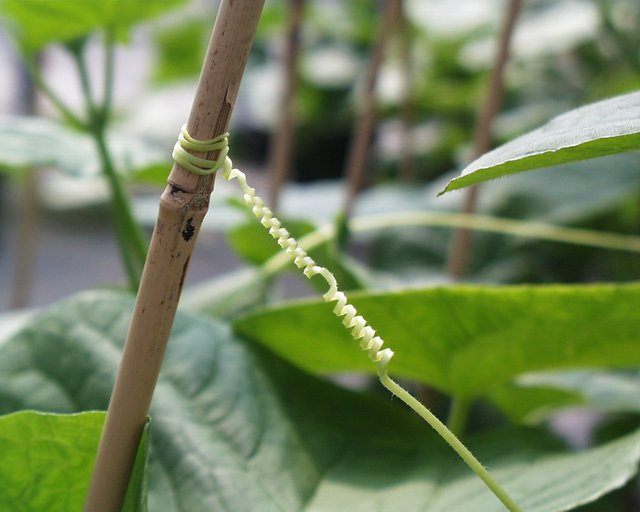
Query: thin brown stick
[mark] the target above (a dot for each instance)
(403, 30)
(183, 206)
(282, 141)
(366, 111)
(28, 222)
(458, 257)
(26, 237)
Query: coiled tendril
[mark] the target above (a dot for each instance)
(360, 330)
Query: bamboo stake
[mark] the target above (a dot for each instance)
(363, 127)
(403, 30)
(183, 206)
(458, 258)
(282, 142)
(28, 222)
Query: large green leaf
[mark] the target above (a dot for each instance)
(37, 23)
(466, 340)
(236, 429)
(602, 128)
(47, 460)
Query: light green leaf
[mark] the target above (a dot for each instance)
(605, 391)
(602, 128)
(33, 142)
(37, 23)
(228, 294)
(465, 340)
(254, 244)
(47, 461)
(181, 48)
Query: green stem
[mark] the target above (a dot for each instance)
(537, 230)
(94, 115)
(38, 79)
(109, 45)
(450, 438)
(133, 248)
(458, 415)
(131, 243)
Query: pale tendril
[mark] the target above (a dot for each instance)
(355, 323)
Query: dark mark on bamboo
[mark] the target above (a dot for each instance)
(175, 189)
(184, 273)
(189, 230)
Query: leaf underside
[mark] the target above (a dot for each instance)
(603, 128)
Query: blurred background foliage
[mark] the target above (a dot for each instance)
(564, 53)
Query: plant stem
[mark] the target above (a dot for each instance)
(109, 57)
(34, 71)
(459, 252)
(366, 110)
(131, 242)
(458, 415)
(282, 141)
(450, 438)
(535, 230)
(183, 206)
(85, 82)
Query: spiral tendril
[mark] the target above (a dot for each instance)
(356, 324)
(359, 328)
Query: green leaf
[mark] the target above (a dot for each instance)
(181, 49)
(465, 340)
(605, 391)
(533, 404)
(37, 23)
(253, 243)
(602, 128)
(47, 461)
(228, 294)
(237, 429)
(35, 142)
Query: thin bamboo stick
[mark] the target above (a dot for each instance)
(28, 221)
(403, 31)
(366, 111)
(183, 206)
(282, 142)
(458, 257)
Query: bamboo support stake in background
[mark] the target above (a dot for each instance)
(366, 109)
(461, 243)
(282, 143)
(405, 38)
(183, 206)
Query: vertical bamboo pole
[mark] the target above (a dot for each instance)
(403, 31)
(282, 142)
(366, 109)
(458, 257)
(28, 222)
(183, 206)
